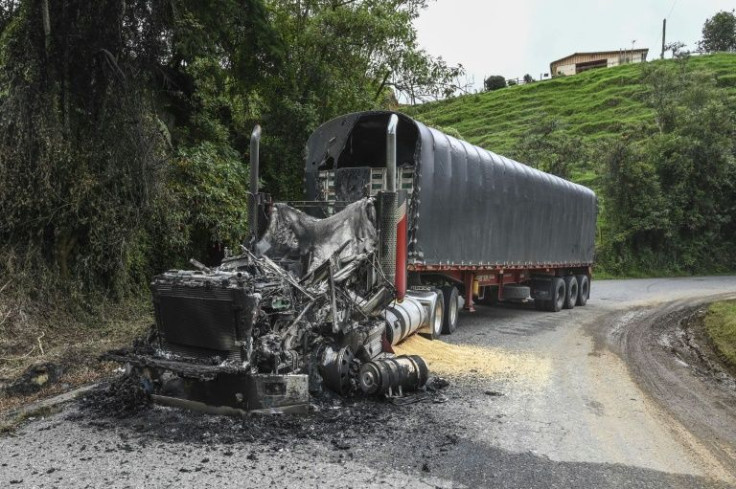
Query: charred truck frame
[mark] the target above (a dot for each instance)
(402, 227)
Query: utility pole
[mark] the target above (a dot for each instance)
(664, 31)
(631, 53)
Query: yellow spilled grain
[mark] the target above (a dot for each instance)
(474, 361)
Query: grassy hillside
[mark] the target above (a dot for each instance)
(654, 140)
(594, 105)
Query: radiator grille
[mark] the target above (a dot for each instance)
(198, 321)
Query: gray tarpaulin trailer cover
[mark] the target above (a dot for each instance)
(468, 206)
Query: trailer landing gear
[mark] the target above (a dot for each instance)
(469, 292)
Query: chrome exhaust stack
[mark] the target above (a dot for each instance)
(388, 204)
(255, 143)
(393, 123)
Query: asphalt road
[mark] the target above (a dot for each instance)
(598, 396)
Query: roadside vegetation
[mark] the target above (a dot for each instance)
(720, 325)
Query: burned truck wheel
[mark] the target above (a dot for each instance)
(559, 292)
(336, 369)
(451, 294)
(583, 290)
(571, 292)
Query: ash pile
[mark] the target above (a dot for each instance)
(306, 308)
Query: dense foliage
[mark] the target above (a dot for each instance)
(124, 125)
(671, 197)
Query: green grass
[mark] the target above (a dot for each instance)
(720, 325)
(595, 105)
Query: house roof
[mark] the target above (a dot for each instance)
(640, 50)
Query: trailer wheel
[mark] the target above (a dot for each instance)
(436, 321)
(583, 290)
(571, 295)
(449, 324)
(559, 293)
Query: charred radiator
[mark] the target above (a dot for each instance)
(203, 317)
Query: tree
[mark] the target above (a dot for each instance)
(343, 57)
(511, 82)
(719, 33)
(421, 77)
(635, 211)
(494, 82)
(98, 98)
(676, 49)
(528, 78)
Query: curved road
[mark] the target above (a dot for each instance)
(592, 397)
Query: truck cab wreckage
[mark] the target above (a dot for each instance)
(403, 227)
(310, 304)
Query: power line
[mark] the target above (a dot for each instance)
(674, 4)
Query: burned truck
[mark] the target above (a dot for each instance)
(303, 309)
(401, 228)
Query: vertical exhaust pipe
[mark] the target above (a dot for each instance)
(387, 199)
(255, 143)
(393, 225)
(393, 123)
(400, 208)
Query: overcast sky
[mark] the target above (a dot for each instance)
(514, 37)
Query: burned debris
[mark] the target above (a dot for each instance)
(306, 308)
(35, 378)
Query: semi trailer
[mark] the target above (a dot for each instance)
(469, 225)
(401, 227)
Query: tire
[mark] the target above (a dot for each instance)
(452, 311)
(583, 290)
(437, 320)
(571, 292)
(559, 293)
